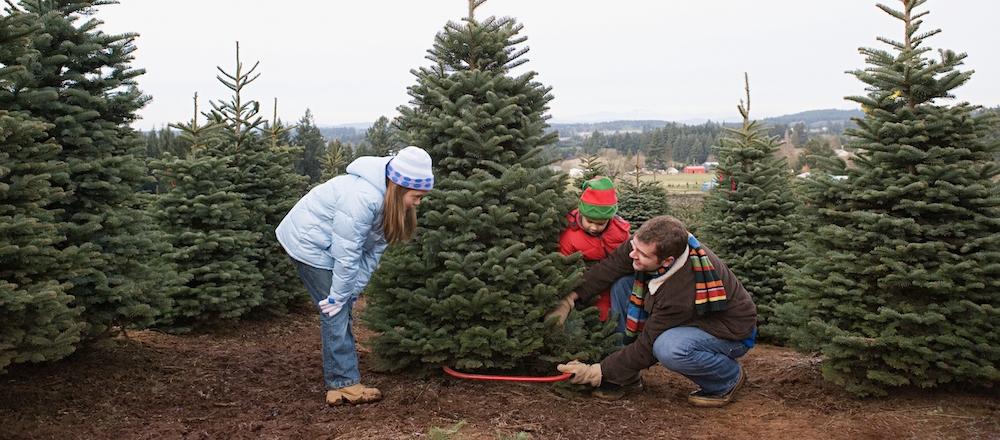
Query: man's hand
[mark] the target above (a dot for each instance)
(583, 374)
(563, 308)
(330, 307)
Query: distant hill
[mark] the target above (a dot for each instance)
(572, 129)
(353, 133)
(812, 117)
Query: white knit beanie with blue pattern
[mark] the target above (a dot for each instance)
(411, 168)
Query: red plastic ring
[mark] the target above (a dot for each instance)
(470, 376)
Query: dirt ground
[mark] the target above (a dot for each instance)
(263, 380)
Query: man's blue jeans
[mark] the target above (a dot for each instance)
(340, 359)
(709, 362)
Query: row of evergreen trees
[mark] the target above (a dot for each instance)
(672, 143)
(316, 158)
(86, 247)
(887, 268)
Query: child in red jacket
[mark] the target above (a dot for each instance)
(594, 230)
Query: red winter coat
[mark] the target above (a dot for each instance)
(594, 248)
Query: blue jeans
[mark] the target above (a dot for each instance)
(620, 291)
(709, 362)
(340, 359)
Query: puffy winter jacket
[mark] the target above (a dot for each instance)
(337, 226)
(594, 248)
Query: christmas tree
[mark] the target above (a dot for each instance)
(472, 290)
(266, 180)
(750, 216)
(308, 136)
(80, 80)
(812, 153)
(381, 138)
(640, 200)
(592, 167)
(37, 322)
(204, 216)
(335, 160)
(902, 287)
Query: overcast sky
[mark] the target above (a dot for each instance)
(349, 61)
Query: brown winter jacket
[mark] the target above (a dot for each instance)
(672, 305)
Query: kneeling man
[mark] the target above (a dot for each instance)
(678, 305)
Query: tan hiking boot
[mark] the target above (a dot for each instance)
(700, 399)
(354, 395)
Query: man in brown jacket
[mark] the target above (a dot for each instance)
(687, 311)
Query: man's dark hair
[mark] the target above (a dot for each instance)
(666, 233)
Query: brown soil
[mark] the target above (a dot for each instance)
(262, 380)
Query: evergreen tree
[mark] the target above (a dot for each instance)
(592, 166)
(267, 182)
(159, 142)
(638, 202)
(336, 159)
(799, 136)
(814, 150)
(993, 135)
(657, 153)
(902, 288)
(641, 200)
(308, 137)
(204, 217)
(80, 81)
(277, 132)
(381, 138)
(472, 290)
(37, 321)
(750, 216)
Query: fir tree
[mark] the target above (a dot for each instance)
(798, 135)
(204, 216)
(657, 153)
(472, 289)
(813, 152)
(336, 159)
(902, 288)
(277, 132)
(592, 166)
(641, 200)
(267, 181)
(37, 321)
(163, 141)
(750, 216)
(308, 137)
(381, 138)
(80, 81)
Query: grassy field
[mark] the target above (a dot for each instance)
(680, 183)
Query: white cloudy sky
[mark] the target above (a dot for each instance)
(349, 61)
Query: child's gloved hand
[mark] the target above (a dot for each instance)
(562, 308)
(330, 306)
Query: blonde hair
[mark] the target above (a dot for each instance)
(399, 223)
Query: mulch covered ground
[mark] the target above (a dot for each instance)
(263, 380)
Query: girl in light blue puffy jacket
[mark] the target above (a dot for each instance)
(335, 236)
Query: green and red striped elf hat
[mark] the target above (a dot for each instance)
(599, 200)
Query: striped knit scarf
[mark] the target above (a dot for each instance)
(710, 294)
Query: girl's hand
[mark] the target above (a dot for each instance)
(329, 307)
